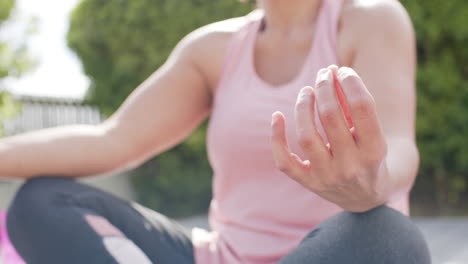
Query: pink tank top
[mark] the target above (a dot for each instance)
(258, 214)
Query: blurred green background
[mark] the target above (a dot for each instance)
(121, 42)
(14, 61)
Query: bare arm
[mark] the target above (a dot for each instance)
(385, 58)
(157, 115)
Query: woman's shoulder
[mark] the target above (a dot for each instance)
(207, 45)
(217, 35)
(218, 32)
(228, 26)
(363, 20)
(374, 11)
(375, 15)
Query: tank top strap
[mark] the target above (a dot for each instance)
(236, 48)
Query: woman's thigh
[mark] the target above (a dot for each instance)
(382, 236)
(55, 220)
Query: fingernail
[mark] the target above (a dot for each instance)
(344, 72)
(323, 77)
(274, 117)
(333, 67)
(307, 90)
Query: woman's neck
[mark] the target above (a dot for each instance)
(284, 15)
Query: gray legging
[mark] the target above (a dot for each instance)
(54, 221)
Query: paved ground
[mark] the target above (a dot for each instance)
(447, 237)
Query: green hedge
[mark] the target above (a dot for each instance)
(14, 61)
(120, 42)
(5, 100)
(442, 126)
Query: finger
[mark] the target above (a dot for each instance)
(309, 138)
(362, 108)
(331, 115)
(286, 161)
(333, 68)
(341, 97)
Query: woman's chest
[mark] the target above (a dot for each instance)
(240, 124)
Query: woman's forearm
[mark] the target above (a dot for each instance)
(64, 151)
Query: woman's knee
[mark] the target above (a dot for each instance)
(34, 191)
(381, 235)
(33, 200)
(384, 232)
(377, 224)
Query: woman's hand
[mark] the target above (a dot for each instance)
(350, 170)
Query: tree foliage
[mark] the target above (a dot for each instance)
(120, 42)
(14, 60)
(5, 9)
(442, 125)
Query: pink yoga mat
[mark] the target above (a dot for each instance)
(8, 253)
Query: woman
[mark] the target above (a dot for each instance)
(354, 148)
